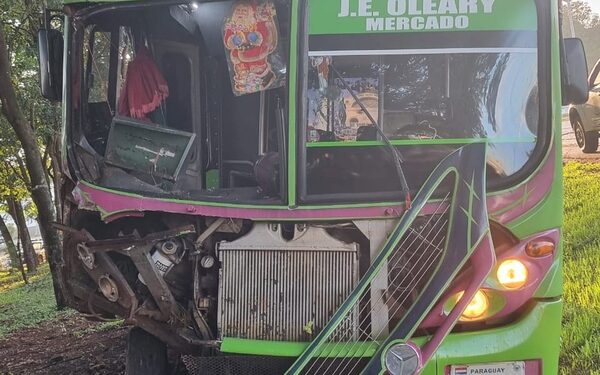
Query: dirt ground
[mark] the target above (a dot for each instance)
(69, 345)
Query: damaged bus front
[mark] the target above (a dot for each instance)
(316, 187)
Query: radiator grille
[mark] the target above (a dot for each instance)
(236, 365)
(272, 289)
(254, 365)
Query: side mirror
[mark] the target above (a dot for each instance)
(50, 47)
(575, 72)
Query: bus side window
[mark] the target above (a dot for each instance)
(126, 56)
(100, 85)
(98, 66)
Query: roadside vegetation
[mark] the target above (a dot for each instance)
(30, 171)
(12, 279)
(25, 305)
(587, 26)
(581, 322)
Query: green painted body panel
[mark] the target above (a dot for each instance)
(533, 337)
(546, 216)
(349, 17)
(537, 334)
(292, 117)
(549, 213)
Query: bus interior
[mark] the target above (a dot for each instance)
(203, 136)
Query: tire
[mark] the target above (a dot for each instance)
(146, 355)
(587, 141)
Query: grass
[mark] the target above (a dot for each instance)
(23, 305)
(581, 322)
(10, 279)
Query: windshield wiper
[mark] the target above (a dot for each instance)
(398, 159)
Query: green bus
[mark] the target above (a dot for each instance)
(316, 186)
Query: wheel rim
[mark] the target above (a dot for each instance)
(579, 134)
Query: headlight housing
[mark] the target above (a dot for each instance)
(512, 274)
(478, 306)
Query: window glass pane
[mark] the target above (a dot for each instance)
(427, 104)
(126, 55)
(178, 73)
(100, 65)
(427, 77)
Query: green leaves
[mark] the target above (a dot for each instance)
(587, 27)
(20, 21)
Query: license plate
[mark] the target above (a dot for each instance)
(504, 368)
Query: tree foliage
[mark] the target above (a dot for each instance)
(587, 27)
(33, 124)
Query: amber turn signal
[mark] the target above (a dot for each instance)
(538, 249)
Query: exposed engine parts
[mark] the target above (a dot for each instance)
(109, 288)
(166, 254)
(166, 281)
(201, 281)
(208, 262)
(87, 258)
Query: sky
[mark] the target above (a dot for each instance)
(595, 5)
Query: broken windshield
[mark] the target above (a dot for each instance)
(185, 101)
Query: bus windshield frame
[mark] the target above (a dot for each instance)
(411, 45)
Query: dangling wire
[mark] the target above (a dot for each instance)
(398, 159)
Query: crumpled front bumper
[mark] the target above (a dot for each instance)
(534, 337)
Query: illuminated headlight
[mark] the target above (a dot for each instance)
(477, 308)
(512, 274)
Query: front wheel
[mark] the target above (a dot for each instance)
(587, 141)
(146, 355)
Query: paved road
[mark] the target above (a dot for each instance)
(571, 151)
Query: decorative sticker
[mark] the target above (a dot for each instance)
(251, 38)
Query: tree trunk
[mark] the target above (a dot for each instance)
(10, 245)
(23, 274)
(15, 259)
(40, 192)
(16, 211)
